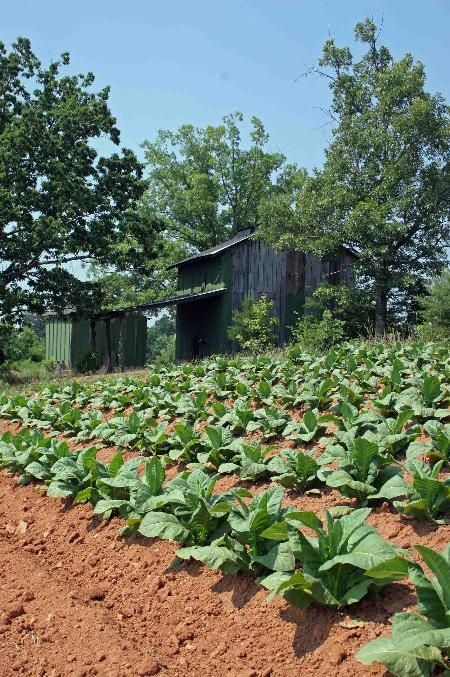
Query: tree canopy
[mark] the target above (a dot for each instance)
(384, 188)
(204, 184)
(59, 200)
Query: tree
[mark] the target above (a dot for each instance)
(161, 339)
(204, 185)
(384, 188)
(59, 201)
(436, 305)
(121, 289)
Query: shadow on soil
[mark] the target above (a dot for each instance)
(313, 625)
(242, 587)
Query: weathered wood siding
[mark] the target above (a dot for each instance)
(335, 270)
(258, 269)
(249, 268)
(69, 340)
(288, 278)
(198, 275)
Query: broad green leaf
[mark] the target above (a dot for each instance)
(279, 558)
(163, 525)
(278, 531)
(214, 556)
(440, 567)
(306, 517)
(396, 568)
(412, 663)
(154, 474)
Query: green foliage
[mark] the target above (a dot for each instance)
(418, 646)
(427, 497)
(367, 405)
(22, 343)
(436, 304)
(384, 184)
(295, 470)
(88, 362)
(249, 463)
(161, 341)
(337, 565)
(360, 468)
(351, 305)
(428, 331)
(311, 333)
(204, 185)
(254, 326)
(60, 201)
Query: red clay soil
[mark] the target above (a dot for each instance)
(75, 599)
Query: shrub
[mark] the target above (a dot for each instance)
(166, 352)
(161, 340)
(254, 326)
(429, 331)
(311, 333)
(351, 305)
(18, 344)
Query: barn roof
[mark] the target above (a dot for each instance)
(240, 236)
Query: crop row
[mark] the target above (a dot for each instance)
(233, 531)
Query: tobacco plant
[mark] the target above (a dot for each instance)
(419, 644)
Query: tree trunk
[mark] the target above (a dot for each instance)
(380, 312)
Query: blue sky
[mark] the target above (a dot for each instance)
(193, 61)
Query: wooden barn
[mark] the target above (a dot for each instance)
(213, 283)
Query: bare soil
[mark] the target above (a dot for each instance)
(77, 599)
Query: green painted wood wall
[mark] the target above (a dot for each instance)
(205, 318)
(68, 340)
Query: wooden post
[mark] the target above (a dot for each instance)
(122, 343)
(108, 345)
(93, 336)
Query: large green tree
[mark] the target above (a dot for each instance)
(60, 202)
(206, 184)
(384, 187)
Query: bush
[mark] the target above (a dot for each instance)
(313, 334)
(429, 331)
(350, 305)
(18, 344)
(254, 326)
(166, 353)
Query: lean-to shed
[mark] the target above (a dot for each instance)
(111, 340)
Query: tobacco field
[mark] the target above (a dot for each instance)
(321, 481)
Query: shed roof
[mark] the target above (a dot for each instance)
(240, 236)
(154, 305)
